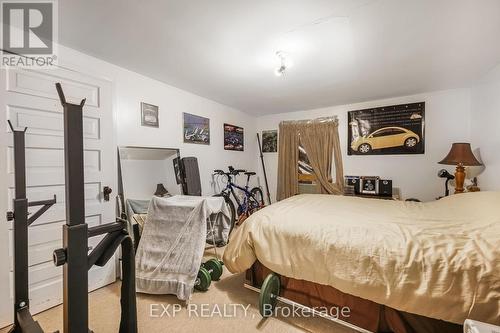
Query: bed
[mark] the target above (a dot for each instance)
(400, 266)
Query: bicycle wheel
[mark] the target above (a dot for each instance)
(257, 197)
(232, 210)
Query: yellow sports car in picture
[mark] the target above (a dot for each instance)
(386, 137)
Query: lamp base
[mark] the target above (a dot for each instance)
(459, 179)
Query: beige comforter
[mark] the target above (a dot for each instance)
(438, 259)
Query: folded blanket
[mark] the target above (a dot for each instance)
(172, 244)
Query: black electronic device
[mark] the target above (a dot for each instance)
(352, 181)
(369, 185)
(385, 187)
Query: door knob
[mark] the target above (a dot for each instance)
(106, 191)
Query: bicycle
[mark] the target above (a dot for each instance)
(251, 200)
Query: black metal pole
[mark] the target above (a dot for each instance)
(23, 321)
(20, 164)
(264, 170)
(121, 196)
(20, 230)
(75, 231)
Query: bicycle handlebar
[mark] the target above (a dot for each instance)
(232, 171)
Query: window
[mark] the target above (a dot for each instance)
(306, 175)
(397, 131)
(384, 132)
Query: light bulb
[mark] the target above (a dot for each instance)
(285, 63)
(280, 71)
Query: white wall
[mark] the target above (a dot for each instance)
(447, 120)
(130, 89)
(484, 127)
(140, 177)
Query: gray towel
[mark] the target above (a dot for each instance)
(172, 244)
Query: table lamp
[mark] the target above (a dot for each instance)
(460, 155)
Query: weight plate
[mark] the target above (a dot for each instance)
(269, 293)
(204, 280)
(215, 266)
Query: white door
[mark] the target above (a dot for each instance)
(30, 100)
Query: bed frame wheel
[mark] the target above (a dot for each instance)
(269, 293)
(214, 267)
(203, 280)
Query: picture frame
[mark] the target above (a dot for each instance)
(233, 138)
(270, 141)
(196, 129)
(149, 115)
(389, 130)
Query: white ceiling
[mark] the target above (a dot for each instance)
(343, 51)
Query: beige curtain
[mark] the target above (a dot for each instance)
(320, 139)
(288, 160)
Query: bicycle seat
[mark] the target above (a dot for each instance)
(250, 173)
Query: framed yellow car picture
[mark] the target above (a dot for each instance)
(389, 130)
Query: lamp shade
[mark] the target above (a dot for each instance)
(461, 154)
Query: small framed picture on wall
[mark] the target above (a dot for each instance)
(149, 115)
(233, 137)
(196, 129)
(270, 141)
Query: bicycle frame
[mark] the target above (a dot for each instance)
(229, 189)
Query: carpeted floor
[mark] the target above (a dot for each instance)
(220, 309)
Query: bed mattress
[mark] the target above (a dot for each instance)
(438, 259)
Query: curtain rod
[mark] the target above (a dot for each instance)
(308, 121)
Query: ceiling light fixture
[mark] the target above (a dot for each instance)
(285, 63)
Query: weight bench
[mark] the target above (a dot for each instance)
(74, 254)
